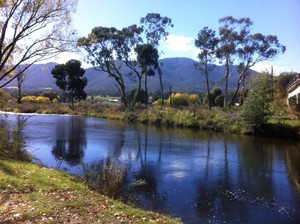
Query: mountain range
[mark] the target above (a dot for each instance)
(179, 73)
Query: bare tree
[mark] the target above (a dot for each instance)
(33, 31)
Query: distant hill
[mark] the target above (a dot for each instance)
(180, 73)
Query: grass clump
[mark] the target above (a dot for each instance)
(106, 177)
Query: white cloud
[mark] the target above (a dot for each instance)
(179, 43)
(277, 70)
(182, 45)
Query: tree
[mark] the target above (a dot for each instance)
(215, 93)
(112, 51)
(69, 78)
(207, 43)
(154, 26)
(109, 50)
(32, 31)
(147, 58)
(232, 34)
(253, 49)
(256, 106)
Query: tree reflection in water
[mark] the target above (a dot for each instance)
(70, 140)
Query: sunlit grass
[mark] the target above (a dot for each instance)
(30, 192)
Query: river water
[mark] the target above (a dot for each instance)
(200, 177)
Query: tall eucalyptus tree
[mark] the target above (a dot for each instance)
(207, 42)
(155, 29)
(232, 34)
(254, 49)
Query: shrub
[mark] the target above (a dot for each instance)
(184, 118)
(55, 101)
(4, 97)
(12, 144)
(219, 101)
(193, 98)
(28, 99)
(256, 107)
(215, 93)
(34, 99)
(182, 99)
(42, 99)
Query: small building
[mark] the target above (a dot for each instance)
(293, 89)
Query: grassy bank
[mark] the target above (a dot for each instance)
(30, 193)
(196, 116)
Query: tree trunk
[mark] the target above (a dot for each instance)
(72, 99)
(146, 89)
(226, 81)
(137, 92)
(207, 86)
(236, 90)
(161, 87)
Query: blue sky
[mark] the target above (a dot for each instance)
(277, 17)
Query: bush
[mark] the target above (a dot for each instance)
(28, 99)
(12, 145)
(219, 101)
(42, 99)
(182, 99)
(256, 107)
(215, 97)
(3, 98)
(34, 99)
(55, 101)
(141, 98)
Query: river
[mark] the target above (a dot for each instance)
(200, 177)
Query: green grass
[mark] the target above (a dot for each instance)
(30, 192)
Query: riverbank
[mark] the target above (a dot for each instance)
(30, 193)
(199, 118)
(278, 125)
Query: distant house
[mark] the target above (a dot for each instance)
(293, 89)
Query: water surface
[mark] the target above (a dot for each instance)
(200, 177)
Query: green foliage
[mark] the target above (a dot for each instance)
(69, 78)
(215, 93)
(207, 44)
(256, 106)
(141, 98)
(55, 101)
(219, 101)
(51, 95)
